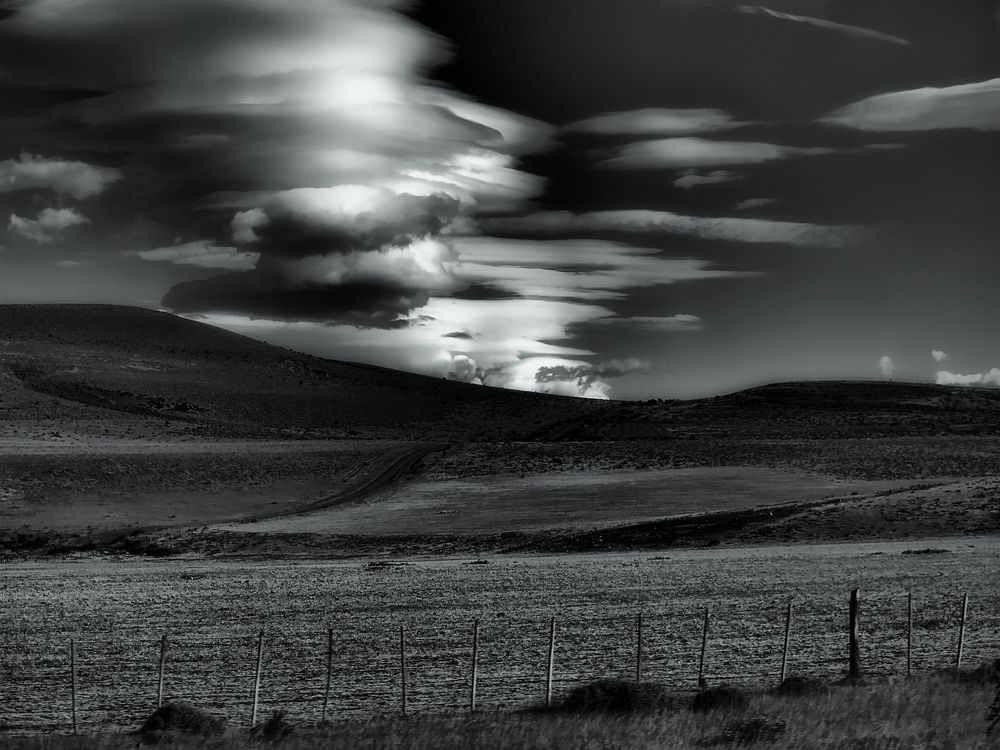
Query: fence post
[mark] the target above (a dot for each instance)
(638, 648)
(552, 657)
(72, 679)
(475, 664)
(961, 631)
(854, 670)
(909, 632)
(256, 679)
(784, 650)
(402, 663)
(704, 646)
(163, 669)
(329, 672)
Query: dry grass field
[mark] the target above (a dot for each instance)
(213, 610)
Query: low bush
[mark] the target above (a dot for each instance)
(616, 697)
(276, 728)
(722, 697)
(801, 685)
(179, 719)
(753, 729)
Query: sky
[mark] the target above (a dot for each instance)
(632, 199)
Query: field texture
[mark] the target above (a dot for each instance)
(212, 611)
(566, 500)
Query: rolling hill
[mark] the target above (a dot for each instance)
(87, 364)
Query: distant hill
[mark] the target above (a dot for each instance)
(808, 410)
(102, 361)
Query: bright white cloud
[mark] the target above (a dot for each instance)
(73, 178)
(202, 253)
(990, 378)
(49, 224)
(656, 122)
(887, 366)
(974, 106)
(938, 355)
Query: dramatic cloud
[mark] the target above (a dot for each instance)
(988, 379)
(588, 380)
(938, 355)
(49, 224)
(887, 366)
(656, 122)
(341, 219)
(821, 24)
(73, 178)
(202, 253)
(974, 106)
(750, 203)
(667, 222)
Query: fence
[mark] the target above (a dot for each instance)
(499, 662)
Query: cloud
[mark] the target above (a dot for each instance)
(666, 222)
(973, 106)
(463, 368)
(887, 366)
(202, 253)
(682, 153)
(645, 323)
(691, 179)
(586, 380)
(755, 203)
(821, 24)
(50, 223)
(341, 219)
(656, 122)
(938, 355)
(989, 379)
(74, 178)
(574, 269)
(457, 335)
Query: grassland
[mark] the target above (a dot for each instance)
(213, 610)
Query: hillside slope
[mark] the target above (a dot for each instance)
(63, 363)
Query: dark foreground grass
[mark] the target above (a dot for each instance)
(933, 713)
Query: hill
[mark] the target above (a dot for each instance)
(63, 365)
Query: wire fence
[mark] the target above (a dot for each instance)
(114, 679)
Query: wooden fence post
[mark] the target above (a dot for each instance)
(402, 663)
(552, 657)
(72, 679)
(784, 650)
(909, 632)
(475, 664)
(163, 669)
(961, 631)
(704, 646)
(329, 672)
(256, 679)
(854, 669)
(638, 648)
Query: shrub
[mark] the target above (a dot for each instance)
(754, 729)
(801, 685)
(179, 718)
(277, 727)
(715, 698)
(985, 674)
(616, 697)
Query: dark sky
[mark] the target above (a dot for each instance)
(642, 198)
